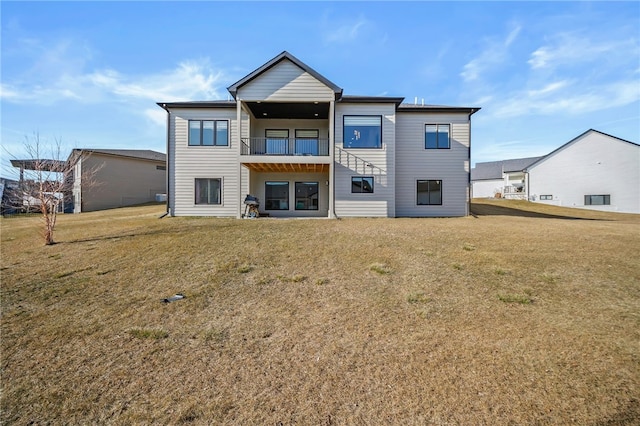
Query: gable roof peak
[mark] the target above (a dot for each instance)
(285, 55)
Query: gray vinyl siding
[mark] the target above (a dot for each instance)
(286, 82)
(414, 163)
(355, 162)
(595, 164)
(215, 162)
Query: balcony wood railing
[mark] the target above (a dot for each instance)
(275, 146)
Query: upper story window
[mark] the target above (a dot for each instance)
(436, 136)
(362, 131)
(208, 132)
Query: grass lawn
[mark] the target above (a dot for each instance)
(521, 314)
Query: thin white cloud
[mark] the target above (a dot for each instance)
(494, 54)
(346, 32)
(575, 48)
(548, 89)
(574, 101)
(188, 81)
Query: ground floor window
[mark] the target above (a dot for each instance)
(597, 200)
(429, 192)
(276, 195)
(362, 184)
(208, 191)
(306, 195)
(546, 197)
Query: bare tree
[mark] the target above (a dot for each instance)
(45, 182)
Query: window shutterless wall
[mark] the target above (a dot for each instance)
(376, 162)
(417, 162)
(202, 162)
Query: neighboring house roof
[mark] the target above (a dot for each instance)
(144, 154)
(494, 169)
(233, 89)
(39, 164)
(572, 141)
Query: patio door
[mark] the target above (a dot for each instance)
(277, 141)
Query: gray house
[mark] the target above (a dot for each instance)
(291, 138)
(110, 178)
(592, 171)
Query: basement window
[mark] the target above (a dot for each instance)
(362, 185)
(546, 197)
(597, 200)
(429, 193)
(208, 191)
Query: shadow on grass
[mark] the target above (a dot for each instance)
(122, 235)
(491, 210)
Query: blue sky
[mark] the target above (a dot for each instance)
(90, 73)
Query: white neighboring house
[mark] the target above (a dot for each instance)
(592, 171)
(501, 179)
(292, 139)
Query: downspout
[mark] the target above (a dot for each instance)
(469, 191)
(332, 139)
(168, 171)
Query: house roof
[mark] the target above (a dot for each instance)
(494, 169)
(435, 108)
(233, 89)
(572, 141)
(197, 104)
(370, 99)
(144, 154)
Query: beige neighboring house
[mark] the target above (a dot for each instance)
(110, 178)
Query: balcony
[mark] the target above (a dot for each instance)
(285, 147)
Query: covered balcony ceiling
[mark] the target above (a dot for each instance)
(287, 167)
(294, 110)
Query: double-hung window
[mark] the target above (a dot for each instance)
(276, 195)
(306, 195)
(436, 136)
(208, 191)
(362, 185)
(208, 133)
(429, 192)
(362, 131)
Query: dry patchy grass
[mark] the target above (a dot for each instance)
(354, 321)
